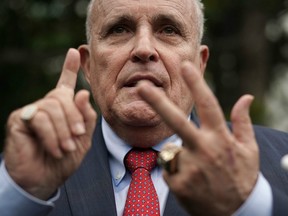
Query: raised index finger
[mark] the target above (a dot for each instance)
(70, 70)
(174, 117)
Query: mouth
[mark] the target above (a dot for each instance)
(132, 82)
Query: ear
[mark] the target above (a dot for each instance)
(85, 61)
(204, 56)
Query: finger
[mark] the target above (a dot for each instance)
(171, 114)
(89, 115)
(87, 111)
(70, 70)
(56, 114)
(188, 173)
(207, 106)
(73, 116)
(46, 133)
(241, 122)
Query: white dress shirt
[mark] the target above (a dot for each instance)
(258, 203)
(14, 201)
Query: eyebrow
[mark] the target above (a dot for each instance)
(159, 19)
(167, 18)
(122, 19)
(171, 19)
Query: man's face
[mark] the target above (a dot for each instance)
(133, 40)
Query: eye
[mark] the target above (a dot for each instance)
(118, 30)
(169, 30)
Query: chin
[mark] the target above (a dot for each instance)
(140, 129)
(142, 119)
(137, 114)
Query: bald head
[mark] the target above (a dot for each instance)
(199, 18)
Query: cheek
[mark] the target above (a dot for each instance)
(105, 68)
(102, 87)
(181, 96)
(179, 93)
(107, 63)
(99, 64)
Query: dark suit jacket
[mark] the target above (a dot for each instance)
(89, 191)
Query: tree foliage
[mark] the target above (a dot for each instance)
(242, 36)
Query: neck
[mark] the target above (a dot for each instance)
(143, 137)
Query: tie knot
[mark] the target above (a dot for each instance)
(140, 158)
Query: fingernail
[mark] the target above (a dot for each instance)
(70, 145)
(79, 129)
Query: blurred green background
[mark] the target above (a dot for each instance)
(248, 41)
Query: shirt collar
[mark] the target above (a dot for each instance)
(117, 149)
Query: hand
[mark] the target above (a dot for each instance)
(42, 153)
(217, 169)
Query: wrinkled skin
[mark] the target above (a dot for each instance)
(145, 67)
(140, 40)
(41, 154)
(216, 169)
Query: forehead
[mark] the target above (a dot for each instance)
(182, 9)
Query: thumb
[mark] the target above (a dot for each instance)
(241, 121)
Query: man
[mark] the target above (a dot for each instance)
(144, 63)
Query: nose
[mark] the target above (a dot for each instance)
(144, 48)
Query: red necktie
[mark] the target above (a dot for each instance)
(142, 197)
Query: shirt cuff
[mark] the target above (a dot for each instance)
(15, 201)
(260, 201)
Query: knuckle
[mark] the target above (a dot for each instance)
(59, 92)
(13, 117)
(186, 183)
(52, 102)
(192, 173)
(206, 102)
(50, 105)
(212, 156)
(40, 117)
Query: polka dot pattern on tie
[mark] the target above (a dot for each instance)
(142, 198)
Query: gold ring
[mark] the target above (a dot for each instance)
(168, 157)
(28, 112)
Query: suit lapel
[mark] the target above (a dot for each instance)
(90, 190)
(173, 208)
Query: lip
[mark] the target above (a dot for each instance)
(132, 81)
